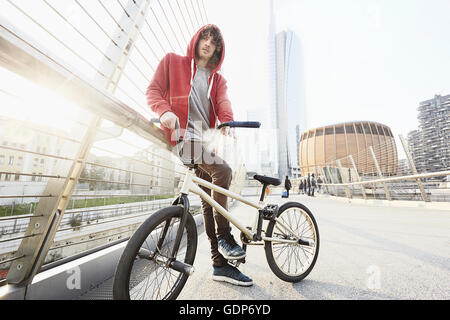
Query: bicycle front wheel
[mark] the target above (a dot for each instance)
(292, 257)
(142, 272)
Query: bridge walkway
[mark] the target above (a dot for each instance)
(366, 252)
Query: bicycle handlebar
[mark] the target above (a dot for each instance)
(240, 124)
(231, 124)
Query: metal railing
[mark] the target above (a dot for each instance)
(84, 167)
(376, 173)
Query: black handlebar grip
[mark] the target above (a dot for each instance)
(240, 124)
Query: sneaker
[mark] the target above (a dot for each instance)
(231, 275)
(230, 249)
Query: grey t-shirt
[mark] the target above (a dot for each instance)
(198, 105)
(198, 124)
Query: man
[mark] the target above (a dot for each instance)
(189, 90)
(319, 184)
(313, 184)
(287, 185)
(305, 186)
(308, 183)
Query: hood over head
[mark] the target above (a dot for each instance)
(193, 44)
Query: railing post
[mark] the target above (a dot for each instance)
(132, 21)
(48, 215)
(332, 180)
(324, 178)
(386, 190)
(347, 189)
(413, 169)
(363, 188)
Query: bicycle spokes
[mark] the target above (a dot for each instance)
(152, 275)
(294, 257)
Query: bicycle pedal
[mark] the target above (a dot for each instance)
(236, 263)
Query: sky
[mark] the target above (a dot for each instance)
(373, 60)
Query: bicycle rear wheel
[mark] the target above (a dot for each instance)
(142, 272)
(293, 261)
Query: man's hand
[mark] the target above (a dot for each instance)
(168, 119)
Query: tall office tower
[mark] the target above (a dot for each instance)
(270, 160)
(431, 144)
(262, 151)
(416, 148)
(260, 146)
(290, 106)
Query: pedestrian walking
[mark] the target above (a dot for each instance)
(319, 184)
(287, 185)
(313, 184)
(304, 186)
(308, 182)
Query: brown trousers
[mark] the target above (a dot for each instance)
(220, 174)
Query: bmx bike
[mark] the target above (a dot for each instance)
(159, 256)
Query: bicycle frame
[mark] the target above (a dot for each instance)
(191, 183)
(163, 226)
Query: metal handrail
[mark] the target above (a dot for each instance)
(15, 54)
(24, 56)
(411, 177)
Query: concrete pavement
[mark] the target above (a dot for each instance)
(366, 252)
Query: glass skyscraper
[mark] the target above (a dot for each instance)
(289, 109)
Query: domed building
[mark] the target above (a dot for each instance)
(320, 147)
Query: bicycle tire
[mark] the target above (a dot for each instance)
(270, 247)
(131, 268)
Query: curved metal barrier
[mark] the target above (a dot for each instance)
(376, 180)
(81, 165)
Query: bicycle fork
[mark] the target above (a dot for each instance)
(171, 262)
(175, 264)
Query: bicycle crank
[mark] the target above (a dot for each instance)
(176, 265)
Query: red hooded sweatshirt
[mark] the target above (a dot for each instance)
(171, 85)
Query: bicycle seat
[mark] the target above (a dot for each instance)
(267, 180)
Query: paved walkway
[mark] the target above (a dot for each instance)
(366, 252)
